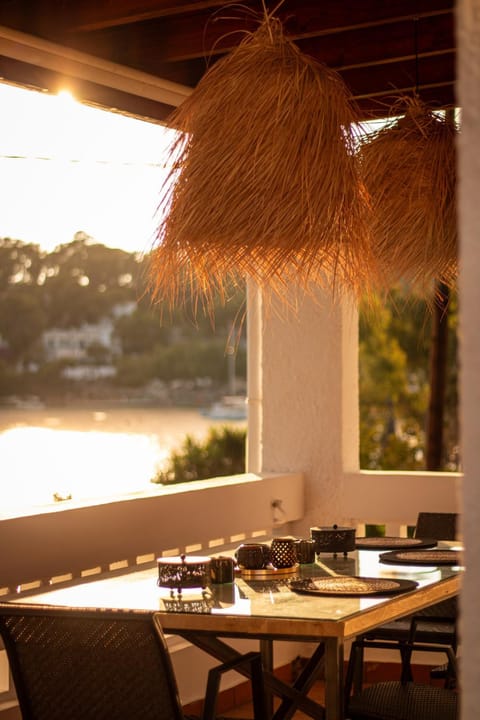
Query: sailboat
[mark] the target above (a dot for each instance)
(231, 406)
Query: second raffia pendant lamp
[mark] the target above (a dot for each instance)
(263, 180)
(409, 170)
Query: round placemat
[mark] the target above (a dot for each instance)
(421, 557)
(350, 586)
(390, 543)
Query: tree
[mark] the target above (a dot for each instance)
(22, 320)
(85, 280)
(20, 263)
(140, 332)
(394, 360)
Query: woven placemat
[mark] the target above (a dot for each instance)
(390, 543)
(349, 586)
(422, 557)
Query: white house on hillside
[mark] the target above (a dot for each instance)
(73, 343)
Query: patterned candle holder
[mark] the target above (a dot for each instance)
(282, 552)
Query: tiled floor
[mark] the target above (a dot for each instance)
(245, 711)
(377, 672)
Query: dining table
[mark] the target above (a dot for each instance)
(324, 603)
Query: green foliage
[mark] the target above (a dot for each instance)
(374, 530)
(134, 371)
(140, 332)
(19, 263)
(5, 378)
(22, 319)
(394, 357)
(222, 453)
(84, 282)
(195, 358)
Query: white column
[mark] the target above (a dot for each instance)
(305, 386)
(468, 97)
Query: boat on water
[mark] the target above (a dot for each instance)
(230, 407)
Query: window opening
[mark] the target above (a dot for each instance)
(97, 387)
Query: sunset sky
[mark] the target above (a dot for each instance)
(66, 167)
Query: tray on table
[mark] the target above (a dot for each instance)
(268, 573)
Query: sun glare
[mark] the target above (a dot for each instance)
(65, 96)
(77, 168)
(81, 465)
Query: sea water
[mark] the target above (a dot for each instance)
(84, 454)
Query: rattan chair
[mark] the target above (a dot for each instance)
(435, 625)
(84, 664)
(409, 701)
(399, 700)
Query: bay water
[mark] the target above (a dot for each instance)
(88, 453)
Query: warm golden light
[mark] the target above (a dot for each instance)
(66, 96)
(81, 465)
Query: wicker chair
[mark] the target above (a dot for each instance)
(434, 625)
(409, 701)
(399, 700)
(84, 664)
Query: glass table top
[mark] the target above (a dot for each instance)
(269, 597)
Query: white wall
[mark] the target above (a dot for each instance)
(468, 96)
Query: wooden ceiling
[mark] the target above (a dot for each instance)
(381, 48)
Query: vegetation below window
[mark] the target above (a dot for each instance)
(222, 453)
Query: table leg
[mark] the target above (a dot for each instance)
(224, 652)
(302, 684)
(266, 651)
(334, 656)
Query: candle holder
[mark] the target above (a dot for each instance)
(179, 573)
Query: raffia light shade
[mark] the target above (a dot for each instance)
(263, 180)
(409, 169)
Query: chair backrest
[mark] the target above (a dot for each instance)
(438, 526)
(85, 664)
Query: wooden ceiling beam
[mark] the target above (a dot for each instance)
(37, 52)
(41, 79)
(402, 77)
(98, 14)
(147, 50)
(174, 40)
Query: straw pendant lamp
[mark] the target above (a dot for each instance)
(263, 180)
(409, 171)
